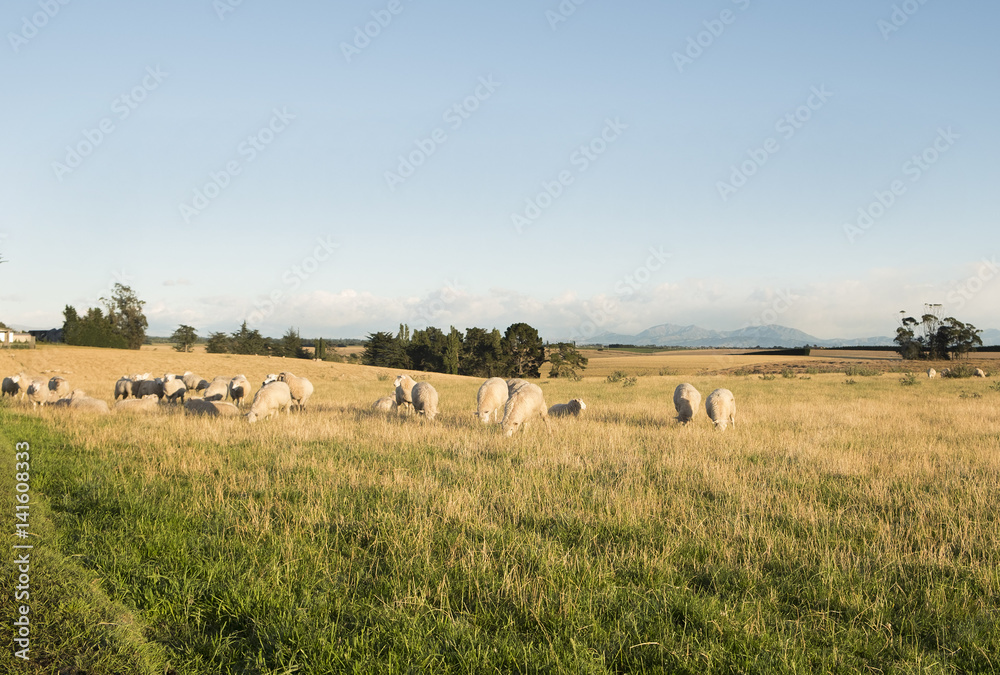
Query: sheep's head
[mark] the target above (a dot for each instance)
(251, 417)
(509, 427)
(483, 415)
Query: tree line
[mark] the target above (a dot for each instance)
(518, 352)
(946, 338)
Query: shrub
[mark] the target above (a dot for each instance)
(961, 370)
(788, 374)
(767, 376)
(908, 379)
(861, 371)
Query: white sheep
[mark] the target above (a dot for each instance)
(526, 402)
(271, 377)
(123, 387)
(78, 400)
(980, 372)
(38, 392)
(269, 400)
(12, 385)
(491, 398)
(174, 389)
(931, 373)
(687, 402)
(58, 388)
(404, 385)
(147, 403)
(425, 399)
(514, 384)
(721, 408)
(385, 404)
(300, 387)
(194, 382)
(218, 389)
(239, 389)
(199, 406)
(573, 407)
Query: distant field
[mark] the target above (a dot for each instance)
(847, 524)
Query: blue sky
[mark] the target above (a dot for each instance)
(591, 167)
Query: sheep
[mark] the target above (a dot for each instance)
(147, 403)
(931, 373)
(218, 389)
(174, 389)
(404, 385)
(147, 387)
(300, 387)
(199, 406)
(946, 372)
(526, 402)
(239, 389)
(78, 400)
(271, 377)
(12, 385)
(385, 404)
(58, 388)
(514, 384)
(721, 408)
(687, 402)
(574, 407)
(273, 398)
(491, 398)
(980, 372)
(123, 387)
(38, 392)
(425, 399)
(194, 382)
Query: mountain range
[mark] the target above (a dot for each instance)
(772, 335)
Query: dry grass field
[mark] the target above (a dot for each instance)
(846, 524)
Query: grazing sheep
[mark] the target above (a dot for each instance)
(123, 387)
(147, 403)
(194, 382)
(239, 389)
(174, 389)
(199, 406)
(385, 404)
(980, 372)
(721, 408)
(38, 392)
(404, 385)
(58, 388)
(514, 384)
(490, 400)
(273, 398)
(687, 402)
(931, 373)
(11, 385)
(946, 372)
(271, 377)
(566, 409)
(218, 389)
(526, 402)
(425, 399)
(147, 387)
(300, 387)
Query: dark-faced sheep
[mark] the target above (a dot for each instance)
(199, 406)
(239, 389)
(300, 388)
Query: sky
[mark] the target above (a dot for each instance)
(583, 166)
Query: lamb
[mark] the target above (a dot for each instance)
(526, 402)
(194, 382)
(38, 392)
(721, 408)
(58, 388)
(687, 402)
(12, 385)
(931, 373)
(199, 406)
(147, 403)
(574, 407)
(174, 389)
(239, 389)
(218, 389)
(425, 399)
(404, 385)
(273, 398)
(491, 398)
(146, 387)
(980, 372)
(123, 387)
(300, 387)
(385, 404)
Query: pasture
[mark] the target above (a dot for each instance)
(846, 524)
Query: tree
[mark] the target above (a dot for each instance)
(184, 337)
(219, 343)
(942, 338)
(124, 311)
(382, 349)
(426, 350)
(955, 338)
(91, 330)
(290, 346)
(452, 351)
(246, 341)
(482, 355)
(523, 351)
(566, 360)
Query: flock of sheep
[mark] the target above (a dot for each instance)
(931, 373)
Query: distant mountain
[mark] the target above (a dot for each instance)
(673, 335)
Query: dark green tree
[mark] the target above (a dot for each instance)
(219, 343)
(523, 351)
(452, 351)
(382, 349)
(956, 339)
(246, 341)
(91, 330)
(426, 350)
(124, 311)
(482, 355)
(184, 337)
(290, 346)
(566, 361)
